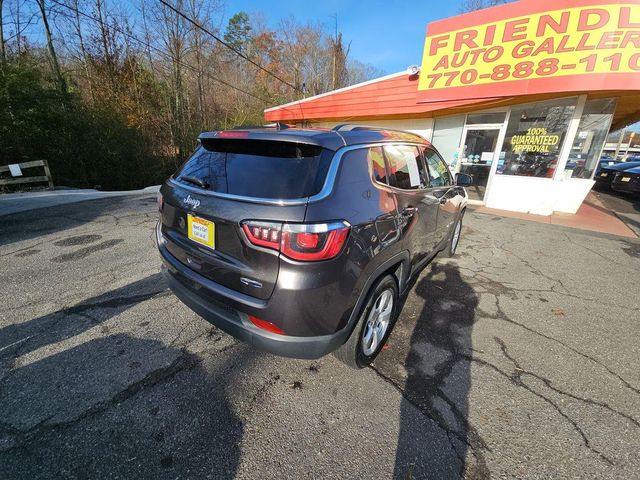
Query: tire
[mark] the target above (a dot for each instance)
(371, 331)
(454, 238)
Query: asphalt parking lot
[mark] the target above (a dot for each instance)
(626, 207)
(519, 358)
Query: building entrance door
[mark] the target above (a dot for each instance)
(478, 151)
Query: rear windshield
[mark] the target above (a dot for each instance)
(257, 168)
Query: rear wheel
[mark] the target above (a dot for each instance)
(374, 325)
(454, 238)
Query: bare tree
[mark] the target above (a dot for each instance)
(176, 32)
(107, 42)
(3, 55)
(198, 43)
(77, 24)
(55, 64)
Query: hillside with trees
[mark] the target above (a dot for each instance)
(114, 93)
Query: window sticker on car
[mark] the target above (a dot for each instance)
(412, 165)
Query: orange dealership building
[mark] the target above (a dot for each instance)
(521, 96)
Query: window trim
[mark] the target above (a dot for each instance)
(386, 166)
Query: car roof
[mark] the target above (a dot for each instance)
(623, 166)
(332, 139)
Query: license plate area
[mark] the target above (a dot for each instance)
(201, 231)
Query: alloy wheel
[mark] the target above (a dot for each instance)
(377, 322)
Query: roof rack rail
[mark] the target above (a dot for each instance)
(352, 127)
(278, 125)
(348, 127)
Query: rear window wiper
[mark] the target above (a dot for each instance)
(195, 180)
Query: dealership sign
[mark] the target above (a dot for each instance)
(533, 46)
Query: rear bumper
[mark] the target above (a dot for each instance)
(626, 187)
(192, 289)
(603, 182)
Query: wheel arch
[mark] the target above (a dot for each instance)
(398, 267)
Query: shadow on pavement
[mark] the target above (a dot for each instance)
(120, 407)
(18, 227)
(20, 338)
(438, 379)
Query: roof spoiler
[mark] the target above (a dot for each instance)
(240, 131)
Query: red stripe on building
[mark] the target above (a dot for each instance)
(393, 95)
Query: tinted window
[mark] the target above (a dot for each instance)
(207, 166)
(438, 172)
(261, 169)
(406, 170)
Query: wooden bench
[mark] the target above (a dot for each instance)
(35, 163)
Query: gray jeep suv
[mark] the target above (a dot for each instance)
(302, 241)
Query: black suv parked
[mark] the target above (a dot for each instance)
(301, 241)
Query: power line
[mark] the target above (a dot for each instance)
(229, 46)
(160, 51)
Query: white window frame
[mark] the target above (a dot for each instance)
(485, 126)
(572, 131)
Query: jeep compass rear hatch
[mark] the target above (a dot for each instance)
(224, 208)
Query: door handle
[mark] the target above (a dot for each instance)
(408, 211)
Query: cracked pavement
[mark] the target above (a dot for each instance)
(519, 358)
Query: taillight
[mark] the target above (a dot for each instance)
(305, 242)
(313, 242)
(264, 234)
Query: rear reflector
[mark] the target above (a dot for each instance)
(304, 242)
(264, 325)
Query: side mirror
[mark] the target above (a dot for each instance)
(463, 180)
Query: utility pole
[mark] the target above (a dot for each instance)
(631, 137)
(615, 155)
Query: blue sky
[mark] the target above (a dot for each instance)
(387, 34)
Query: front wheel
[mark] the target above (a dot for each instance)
(374, 325)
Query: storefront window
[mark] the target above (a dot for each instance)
(534, 138)
(481, 118)
(446, 137)
(592, 133)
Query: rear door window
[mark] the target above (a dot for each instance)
(378, 168)
(438, 171)
(259, 169)
(406, 169)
